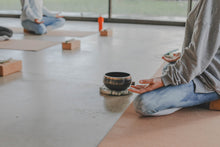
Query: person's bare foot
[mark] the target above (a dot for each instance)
(29, 32)
(26, 31)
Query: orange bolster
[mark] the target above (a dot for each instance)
(214, 105)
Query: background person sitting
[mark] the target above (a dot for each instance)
(37, 19)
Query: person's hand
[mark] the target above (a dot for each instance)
(38, 21)
(58, 16)
(148, 85)
(172, 58)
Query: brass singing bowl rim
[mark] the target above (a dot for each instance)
(117, 75)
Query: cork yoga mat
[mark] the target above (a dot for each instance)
(27, 45)
(64, 33)
(190, 127)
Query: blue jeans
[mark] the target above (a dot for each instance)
(169, 99)
(50, 23)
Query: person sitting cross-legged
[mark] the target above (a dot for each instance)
(194, 78)
(38, 19)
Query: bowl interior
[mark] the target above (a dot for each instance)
(117, 74)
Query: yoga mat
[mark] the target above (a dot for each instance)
(69, 33)
(65, 33)
(189, 127)
(28, 45)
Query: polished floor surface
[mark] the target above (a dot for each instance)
(55, 100)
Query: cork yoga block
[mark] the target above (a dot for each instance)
(107, 32)
(10, 67)
(214, 105)
(71, 44)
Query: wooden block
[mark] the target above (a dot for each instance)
(214, 105)
(10, 67)
(106, 32)
(71, 44)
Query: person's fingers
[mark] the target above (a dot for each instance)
(177, 54)
(152, 84)
(134, 86)
(166, 59)
(175, 58)
(146, 81)
(39, 22)
(139, 91)
(138, 86)
(60, 16)
(172, 58)
(149, 88)
(141, 86)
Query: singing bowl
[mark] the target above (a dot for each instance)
(118, 81)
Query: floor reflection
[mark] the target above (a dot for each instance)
(116, 103)
(10, 78)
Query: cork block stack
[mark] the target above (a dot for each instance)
(106, 32)
(10, 67)
(71, 44)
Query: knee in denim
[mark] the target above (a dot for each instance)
(61, 21)
(41, 30)
(144, 107)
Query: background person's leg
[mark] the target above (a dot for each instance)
(53, 23)
(170, 99)
(38, 29)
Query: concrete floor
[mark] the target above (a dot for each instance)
(55, 100)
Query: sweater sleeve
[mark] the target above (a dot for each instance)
(201, 50)
(46, 12)
(28, 11)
